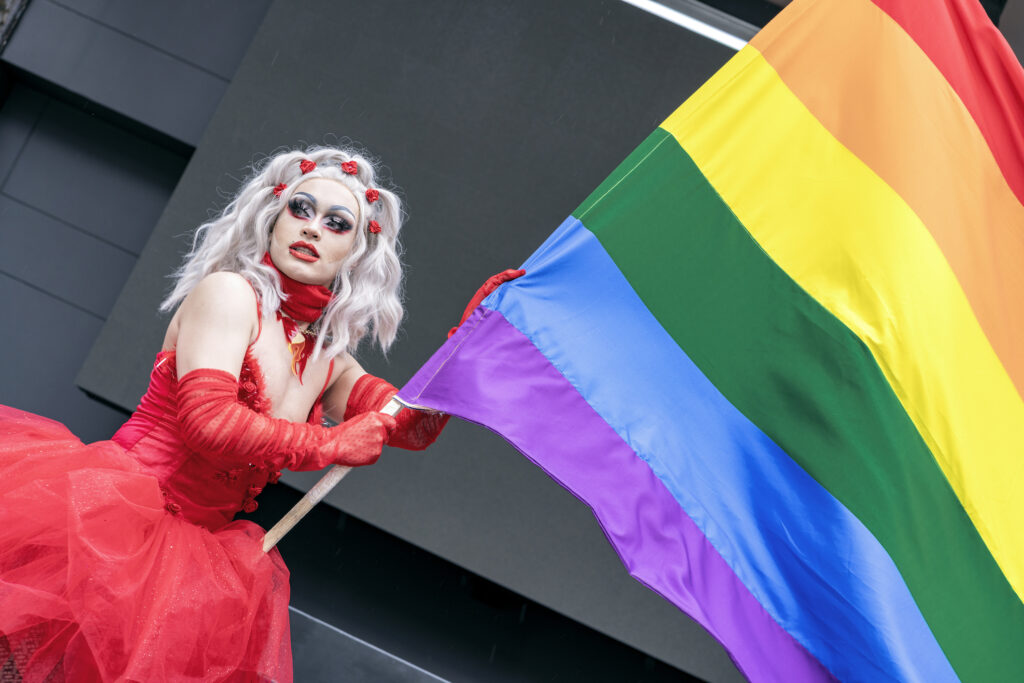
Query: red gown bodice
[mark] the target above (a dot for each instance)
(196, 486)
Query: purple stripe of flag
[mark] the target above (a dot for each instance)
(499, 379)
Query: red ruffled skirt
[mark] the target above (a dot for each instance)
(98, 582)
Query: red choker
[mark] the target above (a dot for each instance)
(304, 303)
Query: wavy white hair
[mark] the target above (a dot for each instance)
(367, 289)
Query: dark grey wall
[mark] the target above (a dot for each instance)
(164, 65)
(1011, 24)
(497, 119)
(101, 98)
(78, 198)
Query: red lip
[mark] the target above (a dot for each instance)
(293, 249)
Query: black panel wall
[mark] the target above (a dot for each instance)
(162, 64)
(104, 99)
(78, 200)
(497, 119)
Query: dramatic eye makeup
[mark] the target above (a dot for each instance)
(300, 206)
(337, 224)
(303, 206)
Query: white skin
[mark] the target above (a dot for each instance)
(217, 322)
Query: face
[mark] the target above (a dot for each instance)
(315, 231)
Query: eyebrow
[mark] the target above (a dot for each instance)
(333, 208)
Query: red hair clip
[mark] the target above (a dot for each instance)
(374, 227)
(372, 195)
(279, 188)
(350, 167)
(306, 166)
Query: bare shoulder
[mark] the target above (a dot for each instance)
(219, 298)
(217, 323)
(223, 299)
(223, 290)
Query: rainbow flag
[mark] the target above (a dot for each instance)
(780, 351)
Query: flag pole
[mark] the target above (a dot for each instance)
(316, 493)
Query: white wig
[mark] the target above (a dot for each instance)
(367, 289)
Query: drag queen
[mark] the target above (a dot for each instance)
(119, 560)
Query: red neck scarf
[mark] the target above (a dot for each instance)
(304, 303)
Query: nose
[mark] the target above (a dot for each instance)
(311, 231)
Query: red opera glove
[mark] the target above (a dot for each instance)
(214, 423)
(486, 288)
(414, 429)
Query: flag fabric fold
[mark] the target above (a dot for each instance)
(780, 350)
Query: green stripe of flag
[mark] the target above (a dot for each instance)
(811, 385)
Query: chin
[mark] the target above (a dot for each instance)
(306, 278)
(299, 270)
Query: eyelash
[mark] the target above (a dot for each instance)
(301, 209)
(338, 225)
(298, 208)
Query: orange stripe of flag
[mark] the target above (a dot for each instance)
(925, 145)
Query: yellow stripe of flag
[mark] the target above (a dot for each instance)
(855, 246)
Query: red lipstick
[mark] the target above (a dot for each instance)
(304, 251)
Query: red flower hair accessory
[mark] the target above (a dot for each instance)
(306, 166)
(372, 195)
(279, 188)
(350, 167)
(374, 227)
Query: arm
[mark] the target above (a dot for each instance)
(217, 321)
(414, 429)
(359, 392)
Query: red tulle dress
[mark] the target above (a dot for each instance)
(119, 560)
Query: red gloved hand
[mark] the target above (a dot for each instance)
(489, 286)
(214, 423)
(414, 430)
